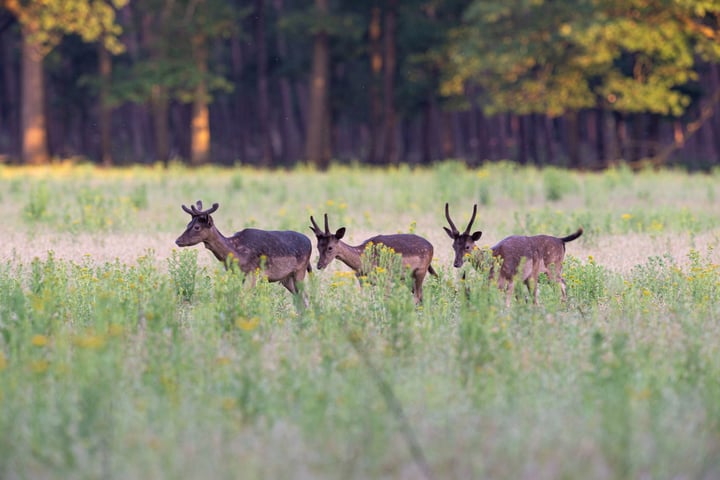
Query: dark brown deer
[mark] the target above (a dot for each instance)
(284, 256)
(537, 254)
(416, 252)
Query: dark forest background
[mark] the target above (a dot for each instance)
(579, 83)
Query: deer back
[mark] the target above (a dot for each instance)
(514, 250)
(416, 251)
(281, 252)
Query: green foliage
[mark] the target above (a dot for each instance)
(182, 267)
(573, 55)
(47, 21)
(157, 365)
(557, 183)
(37, 207)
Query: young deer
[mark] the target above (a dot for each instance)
(416, 252)
(284, 255)
(538, 254)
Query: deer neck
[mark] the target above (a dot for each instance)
(349, 255)
(219, 245)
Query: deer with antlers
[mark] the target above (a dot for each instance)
(537, 254)
(284, 256)
(416, 252)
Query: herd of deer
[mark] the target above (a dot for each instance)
(284, 256)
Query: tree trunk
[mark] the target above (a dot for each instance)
(531, 134)
(266, 153)
(160, 106)
(200, 129)
(548, 140)
(32, 119)
(620, 137)
(376, 65)
(573, 139)
(447, 140)
(601, 150)
(8, 95)
(317, 146)
(105, 67)
(390, 154)
(290, 133)
(426, 134)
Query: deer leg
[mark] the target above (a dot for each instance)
(289, 283)
(509, 290)
(298, 292)
(417, 290)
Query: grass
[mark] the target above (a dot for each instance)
(122, 356)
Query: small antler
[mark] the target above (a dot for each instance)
(196, 210)
(472, 219)
(315, 227)
(327, 230)
(452, 225)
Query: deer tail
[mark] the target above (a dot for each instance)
(573, 236)
(432, 270)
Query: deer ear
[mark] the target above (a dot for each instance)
(449, 232)
(476, 236)
(340, 233)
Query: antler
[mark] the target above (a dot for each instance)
(196, 210)
(452, 225)
(315, 227)
(472, 219)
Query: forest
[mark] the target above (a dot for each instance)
(584, 84)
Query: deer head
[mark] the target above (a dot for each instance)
(463, 243)
(327, 243)
(200, 227)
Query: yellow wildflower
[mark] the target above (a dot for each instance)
(39, 340)
(247, 324)
(222, 361)
(90, 341)
(626, 216)
(39, 366)
(228, 403)
(115, 330)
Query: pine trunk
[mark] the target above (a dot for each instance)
(390, 155)
(376, 65)
(266, 154)
(105, 67)
(200, 130)
(32, 118)
(318, 134)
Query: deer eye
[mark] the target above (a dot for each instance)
(330, 249)
(196, 227)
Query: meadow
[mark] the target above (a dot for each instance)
(123, 356)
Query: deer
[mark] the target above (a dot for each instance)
(537, 254)
(416, 253)
(283, 256)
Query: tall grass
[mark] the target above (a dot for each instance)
(161, 366)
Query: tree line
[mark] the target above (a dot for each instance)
(582, 83)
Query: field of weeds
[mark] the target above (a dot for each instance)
(122, 356)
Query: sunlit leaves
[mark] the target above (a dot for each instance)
(553, 57)
(47, 20)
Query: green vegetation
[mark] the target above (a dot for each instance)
(158, 363)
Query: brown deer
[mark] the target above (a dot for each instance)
(416, 252)
(538, 254)
(284, 256)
